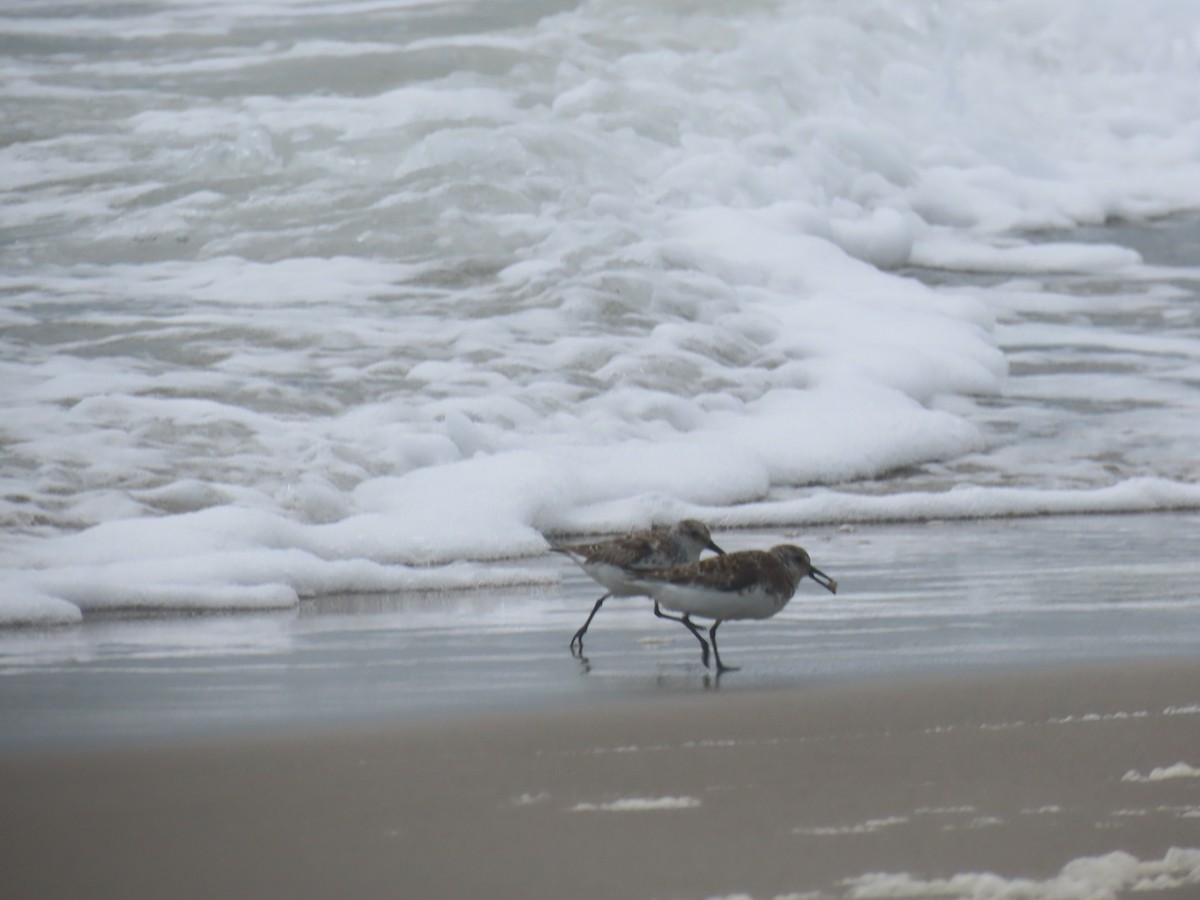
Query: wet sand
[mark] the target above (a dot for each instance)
(809, 789)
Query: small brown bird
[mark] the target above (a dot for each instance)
(616, 562)
(748, 584)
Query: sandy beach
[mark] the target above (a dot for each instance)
(1079, 780)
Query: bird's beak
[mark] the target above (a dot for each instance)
(714, 548)
(823, 580)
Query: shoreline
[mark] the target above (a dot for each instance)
(913, 600)
(811, 790)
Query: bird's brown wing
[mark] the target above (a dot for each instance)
(622, 551)
(732, 572)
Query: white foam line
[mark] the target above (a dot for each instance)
(976, 824)
(639, 804)
(870, 826)
(1192, 710)
(1086, 878)
(1179, 770)
(1099, 717)
(1144, 494)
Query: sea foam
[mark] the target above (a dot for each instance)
(376, 303)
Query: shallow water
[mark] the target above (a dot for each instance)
(913, 599)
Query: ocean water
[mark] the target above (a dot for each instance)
(308, 300)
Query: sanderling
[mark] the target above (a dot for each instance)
(748, 584)
(615, 562)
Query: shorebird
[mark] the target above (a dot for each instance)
(615, 563)
(748, 584)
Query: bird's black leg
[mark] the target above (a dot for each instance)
(578, 638)
(712, 636)
(690, 626)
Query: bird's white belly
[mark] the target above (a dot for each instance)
(617, 580)
(709, 603)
